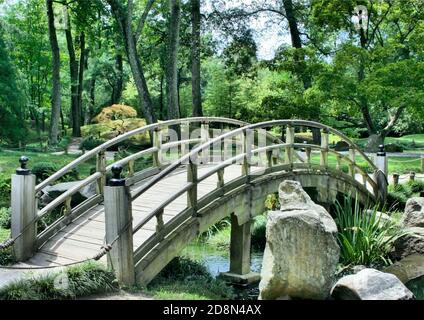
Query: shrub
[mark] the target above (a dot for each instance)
(183, 278)
(5, 218)
(91, 143)
(271, 201)
(364, 239)
(5, 190)
(393, 147)
(259, 232)
(64, 143)
(115, 112)
(88, 278)
(43, 170)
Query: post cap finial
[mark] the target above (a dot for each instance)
(116, 179)
(23, 170)
(381, 150)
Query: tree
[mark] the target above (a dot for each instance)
(123, 13)
(56, 89)
(195, 59)
(374, 69)
(172, 70)
(11, 113)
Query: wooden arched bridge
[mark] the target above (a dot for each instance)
(202, 170)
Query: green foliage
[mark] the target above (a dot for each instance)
(271, 201)
(183, 278)
(364, 238)
(5, 190)
(399, 195)
(76, 281)
(43, 170)
(5, 218)
(258, 232)
(91, 143)
(12, 127)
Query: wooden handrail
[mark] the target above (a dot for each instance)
(60, 199)
(92, 153)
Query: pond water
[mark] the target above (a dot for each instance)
(217, 261)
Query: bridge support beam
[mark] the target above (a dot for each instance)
(23, 212)
(240, 255)
(118, 217)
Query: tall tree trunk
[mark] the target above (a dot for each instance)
(90, 109)
(55, 108)
(161, 115)
(197, 110)
(73, 72)
(123, 17)
(119, 80)
(82, 67)
(172, 74)
(300, 65)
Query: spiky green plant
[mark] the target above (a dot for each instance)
(364, 237)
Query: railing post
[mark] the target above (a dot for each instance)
(324, 148)
(185, 135)
(192, 192)
(352, 157)
(422, 163)
(247, 149)
(290, 141)
(381, 160)
(24, 211)
(204, 136)
(396, 179)
(118, 217)
(101, 167)
(157, 142)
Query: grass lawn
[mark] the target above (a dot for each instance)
(9, 161)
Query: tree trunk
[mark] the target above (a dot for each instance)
(161, 115)
(300, 65)
(197, 110)
(124, 19)
(55, 108)
(374, 141)
(82, 67)
(73, 72)
(90, 109)
(119, 80)
(172, 74)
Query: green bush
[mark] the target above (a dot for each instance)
(364, 238)
(5, 218)
(393, 147)
(183, 278)
(76, 281)
(64, 143)
(43, 170)
(259, 232)
(5, 189)
(90, 143)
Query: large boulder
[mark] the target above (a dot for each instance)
(301, 252)
(411, 243)
(371, 284)
(52, 192)
(409, 268)
(414, 213)
(341, 146)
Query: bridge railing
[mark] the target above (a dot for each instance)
(99, 176)
(279, 156)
